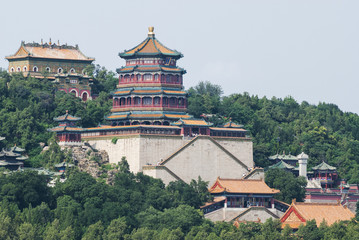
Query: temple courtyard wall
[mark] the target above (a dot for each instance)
(179, 158)
(252, 214)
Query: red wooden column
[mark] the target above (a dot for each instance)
(161, 101)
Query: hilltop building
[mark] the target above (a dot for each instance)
(300, 213)
(64, 64)
(67, 131)
(324, 185)
(245, 199)
(149, 124)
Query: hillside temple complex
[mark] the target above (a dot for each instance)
(150, 126)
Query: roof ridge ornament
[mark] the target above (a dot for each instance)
(151, 32)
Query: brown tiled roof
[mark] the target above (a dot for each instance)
(53, 52)
(242, 186)
(300, 212)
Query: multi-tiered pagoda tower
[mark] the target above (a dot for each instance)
(150, 126)
(150, 89)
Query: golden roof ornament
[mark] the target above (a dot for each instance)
(150, 31)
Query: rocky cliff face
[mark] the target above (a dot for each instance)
(96, 163)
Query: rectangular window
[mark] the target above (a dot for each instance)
(73, 81)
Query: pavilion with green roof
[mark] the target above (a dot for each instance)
(287, 158)
(326, 174)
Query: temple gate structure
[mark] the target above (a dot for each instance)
(241, 200)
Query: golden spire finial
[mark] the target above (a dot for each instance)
(150, 31)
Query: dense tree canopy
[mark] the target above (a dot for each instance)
(83, 208)
(322, 131)
(28, 106)
(137, 206)
(290, 187)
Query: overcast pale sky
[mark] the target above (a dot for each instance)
(307, 49)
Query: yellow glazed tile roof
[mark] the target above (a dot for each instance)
(147, 115)
(330, 212)
(147, 91)
(52, 52)
(126, 69)
(136, 48)
(118, 116)
(162, 48)
(176, 92)
(176, 116)
(171, 69)
(194, 122)
(123, 92)
(150, 46)
(242, 186)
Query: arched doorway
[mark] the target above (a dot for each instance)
(74, 92)
(84, 96)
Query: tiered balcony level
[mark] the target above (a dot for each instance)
(149, 82)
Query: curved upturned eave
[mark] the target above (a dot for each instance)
(140, 46)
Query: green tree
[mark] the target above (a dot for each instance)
(116, 230)
(26, 231)
(204, 98)
(143, 234)
(94, 232)
(290, 187)
(25, 188)
(309, 231)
